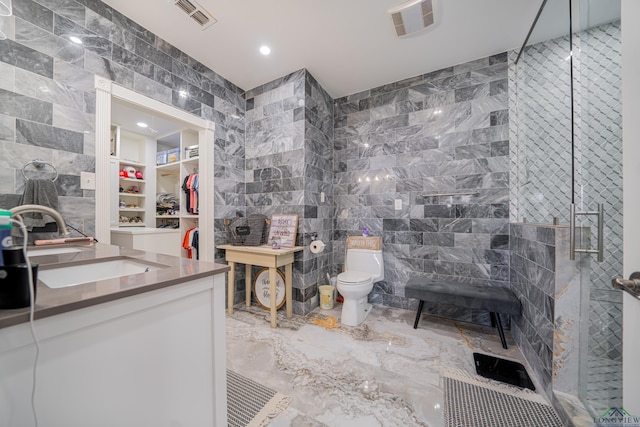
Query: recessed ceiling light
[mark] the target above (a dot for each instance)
(75, 39)
(142, 124)
(265, 50)
(183, 93)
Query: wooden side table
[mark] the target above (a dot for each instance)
(263, 256)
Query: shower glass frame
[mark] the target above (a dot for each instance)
(567, 148)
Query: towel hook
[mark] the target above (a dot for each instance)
(39, 164)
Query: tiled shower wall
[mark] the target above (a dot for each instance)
(548, 284)
(541, 166)
(442, 132)
(533, 281)
(288, 164)
(47, 97)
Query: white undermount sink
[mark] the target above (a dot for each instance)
(54, 251)
(72, 275)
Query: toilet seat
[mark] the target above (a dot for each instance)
(353, 278)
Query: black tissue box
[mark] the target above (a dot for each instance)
(14, 285)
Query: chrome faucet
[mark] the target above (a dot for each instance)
(22, 209)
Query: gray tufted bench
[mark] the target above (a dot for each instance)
(480, 297)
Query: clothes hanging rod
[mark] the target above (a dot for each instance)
(462, 193)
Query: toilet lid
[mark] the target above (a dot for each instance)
(354, 277)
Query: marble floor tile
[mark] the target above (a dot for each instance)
(380, 373)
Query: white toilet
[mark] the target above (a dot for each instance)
(363, 267)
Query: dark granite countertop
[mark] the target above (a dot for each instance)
(50, 302)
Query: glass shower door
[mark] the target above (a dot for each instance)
(597, 84)
(543, 130)
(567, 149)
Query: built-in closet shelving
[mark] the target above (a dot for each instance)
(130, 153)
(164, 162)
(180, 151)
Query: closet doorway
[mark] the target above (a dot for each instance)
(173, 146)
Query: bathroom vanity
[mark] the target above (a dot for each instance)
(142, 348)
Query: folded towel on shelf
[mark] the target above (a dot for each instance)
(39, 192)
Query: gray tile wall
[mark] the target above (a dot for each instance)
(549, 286)
(47, 99)
(442, 132)
(274, 148)
(288, 164)
(533, 264)
(318, 179)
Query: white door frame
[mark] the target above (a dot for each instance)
(105, 91)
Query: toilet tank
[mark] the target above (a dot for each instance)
(366, 261)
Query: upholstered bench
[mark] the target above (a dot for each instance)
(492, 299)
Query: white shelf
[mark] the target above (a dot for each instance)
(140, 181)
(132, 195)
(192, 216)
(167, 216)
(131, 224)
(169, 166)
(131, 209)
(132, 163)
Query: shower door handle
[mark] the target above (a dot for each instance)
(632, 286)
(572, 232)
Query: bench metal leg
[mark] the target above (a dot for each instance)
(420, 305)
(496, 317)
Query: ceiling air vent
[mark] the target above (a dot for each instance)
(196, 12)
(411, 16)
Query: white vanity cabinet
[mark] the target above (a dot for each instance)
(155, 358)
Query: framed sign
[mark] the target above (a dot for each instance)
(283, 230)
(262, 290)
